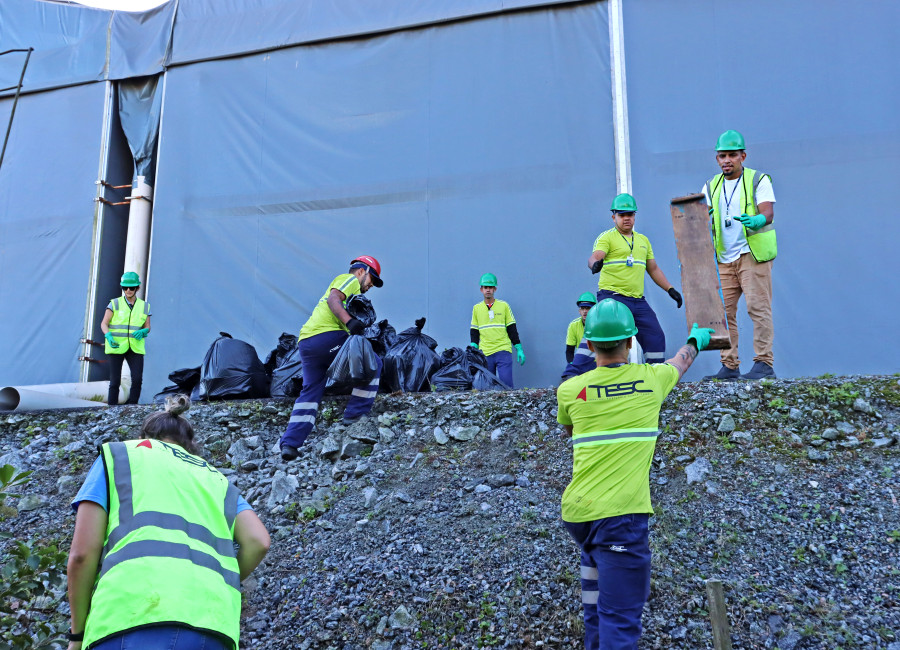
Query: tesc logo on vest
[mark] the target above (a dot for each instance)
(605, 391)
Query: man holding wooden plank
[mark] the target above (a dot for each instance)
(742, 209)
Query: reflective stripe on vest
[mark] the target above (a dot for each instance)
(762, 242)
(591, 438)
(124, 323)
(153, 550)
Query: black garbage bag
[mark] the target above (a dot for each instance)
(286, 343)
(355, 364)
(232, 370)
(409, 364)
(287, 378)
(382, 336)
(361, 309)
(186, 379)
(160, 397)
(465, 369)
(454, 371)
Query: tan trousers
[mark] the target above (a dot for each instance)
(754, 280)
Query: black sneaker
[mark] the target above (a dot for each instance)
(288, 452)
(760, 370)
(725, 374)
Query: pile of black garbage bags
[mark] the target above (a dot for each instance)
(231, 368)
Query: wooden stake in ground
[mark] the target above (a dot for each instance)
(699, 272)
(718, 615)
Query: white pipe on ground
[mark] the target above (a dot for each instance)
(91, 391)
(13, 398)
(137, 244)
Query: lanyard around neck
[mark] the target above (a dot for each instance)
(630, 244)
(737, 184)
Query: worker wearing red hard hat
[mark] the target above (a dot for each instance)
(321, 337)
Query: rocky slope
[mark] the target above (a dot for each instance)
(435, 522)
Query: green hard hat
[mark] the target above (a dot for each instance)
(609, 320)
(587, 296)
(488, 280)
(130, 279)
(730, 141)
(624, 203)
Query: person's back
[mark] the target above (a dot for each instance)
(169, 576)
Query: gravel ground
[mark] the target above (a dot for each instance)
(434, 523)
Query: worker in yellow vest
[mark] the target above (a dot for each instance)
(575, 332)
(493, 331)
(153, 561)
(742, 209)
(612, 416)
(125, 325)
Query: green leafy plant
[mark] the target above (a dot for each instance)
(32, 583)
(10, 479)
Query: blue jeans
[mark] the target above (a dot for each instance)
(316, 354)
(163, 637)
(615, 579)
(500, 363)
(650, 334)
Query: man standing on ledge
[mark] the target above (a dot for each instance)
(321, 337)
(612, 416)
(494, 332)
(621, 255)
(742, 209)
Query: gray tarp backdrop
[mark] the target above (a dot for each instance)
(46, 221)
(447, 139)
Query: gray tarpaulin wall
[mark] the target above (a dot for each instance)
(444, 151)
(815, 89)
(447, 138)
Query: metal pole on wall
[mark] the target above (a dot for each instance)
(619, 96)
(620, 115)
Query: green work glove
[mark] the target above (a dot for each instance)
(141, 333)
(700, 336)
(474, 345)
(752, 222)
(109, 339)
(520, 354)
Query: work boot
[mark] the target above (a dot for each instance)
(289, 453)
(760, 370)
(725, 374)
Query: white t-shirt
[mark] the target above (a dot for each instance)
(730, 207)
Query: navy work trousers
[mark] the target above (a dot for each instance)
(163, 637)
(500, 363)
(650, 335)
(615, 579)
(316, 354)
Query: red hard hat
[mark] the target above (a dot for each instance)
(374, 268)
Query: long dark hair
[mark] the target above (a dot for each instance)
(169, 424)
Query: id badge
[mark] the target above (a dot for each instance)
(728, 223)
(629, 261)
(491, 314)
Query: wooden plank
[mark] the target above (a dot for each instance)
(699, 273)
(718, 614)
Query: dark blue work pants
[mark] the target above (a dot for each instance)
(316, 354)
(500, 363)
(650, 335)
(163, 637)
(615, 579)
(582, 361)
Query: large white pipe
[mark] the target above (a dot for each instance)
(13, 398)
(137, 245)
(90, 390)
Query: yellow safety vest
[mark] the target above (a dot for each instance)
(125, 322)
(169, 556)
(762, 242)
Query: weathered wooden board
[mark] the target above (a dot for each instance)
(699, 273)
